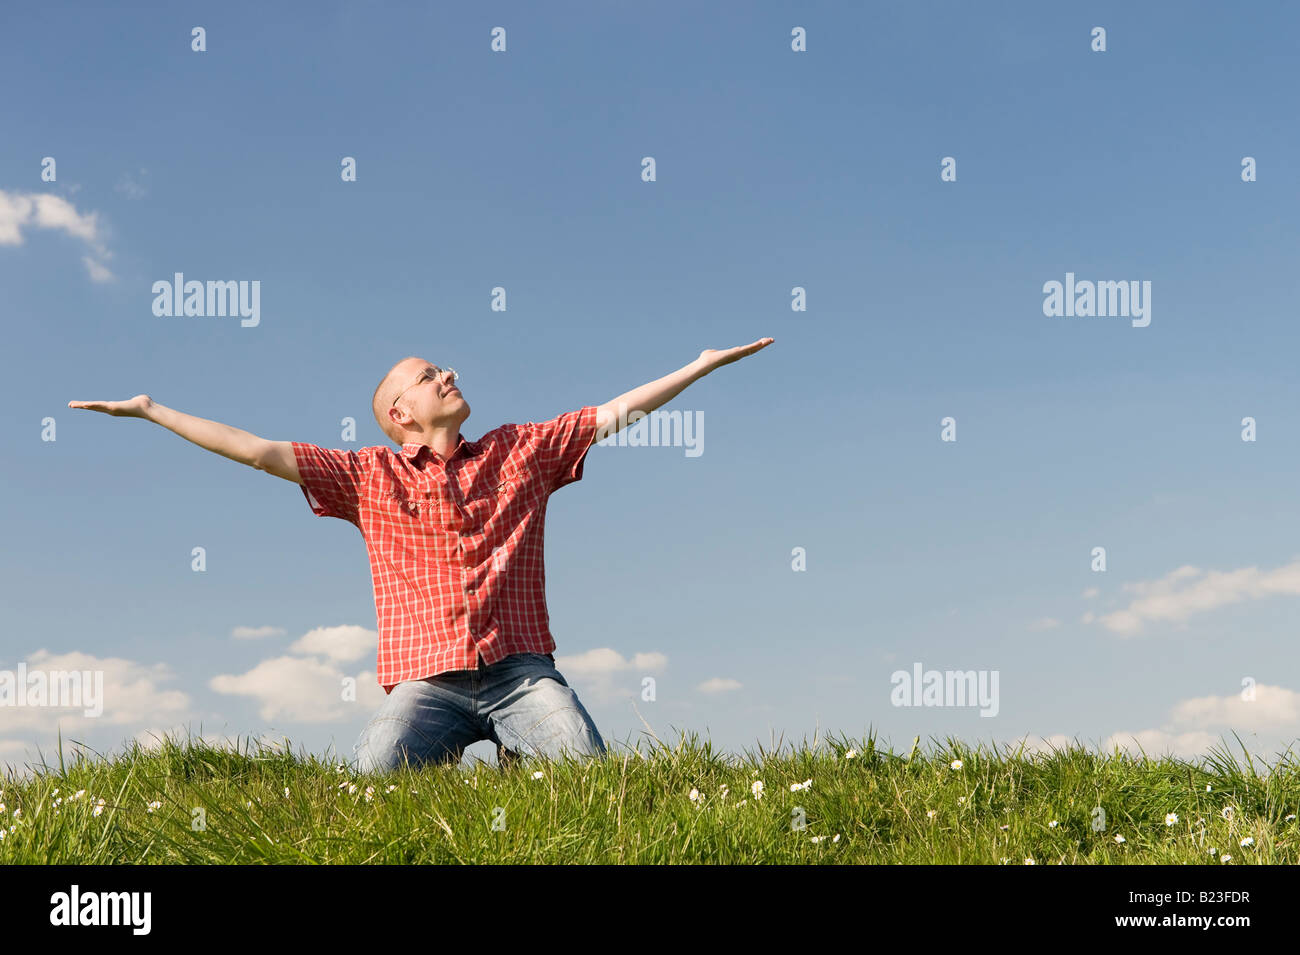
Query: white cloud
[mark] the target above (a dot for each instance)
(98, 271)
(339, 644)
(1044, 623)
(604, 661)
(23, 211)
(256, 633)
(1272, 707)
(132, 693)
(718, 684)
(1091, 592)
(1196, 726)
(599, 671)
(1187, 591)
(301, 690)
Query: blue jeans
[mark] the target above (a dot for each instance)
(521, 703)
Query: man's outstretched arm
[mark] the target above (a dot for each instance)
(611, 417)
(274, 457)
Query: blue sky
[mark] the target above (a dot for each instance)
(774, 169)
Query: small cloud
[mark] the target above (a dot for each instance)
(337, 644)
(600, 669)
(20, 212)
(256, 633)
(1187, 591)
(604, 661)
(1091, 592)
(132, 188)
(1088, 617)
(1044, 623)
(98, 271)
(300, 690)
(1271, 707)
(718, 685)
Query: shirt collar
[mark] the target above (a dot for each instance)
(412, 450)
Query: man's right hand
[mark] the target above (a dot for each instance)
(137, 407)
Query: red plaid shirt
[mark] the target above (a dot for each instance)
(455, 546)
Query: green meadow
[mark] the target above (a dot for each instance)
(834, 801)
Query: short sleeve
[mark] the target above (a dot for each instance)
(331, 480)
(559, 446)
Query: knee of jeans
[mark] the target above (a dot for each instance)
(565, 728)
(386, 744)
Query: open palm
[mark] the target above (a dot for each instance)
(131, 408)
(717, 357)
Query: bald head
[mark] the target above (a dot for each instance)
(430, 413)
(390, 386)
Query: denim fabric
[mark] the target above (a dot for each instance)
(521, 703)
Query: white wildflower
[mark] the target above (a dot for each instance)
(1119, 840)
(1053, 824)
(757, 789)
(1225, 858)
(1247, 842)
(1171, 818)
(153, 806)
(956, 764)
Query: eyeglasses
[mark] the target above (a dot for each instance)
(426, 376)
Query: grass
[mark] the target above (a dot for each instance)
(230, 805)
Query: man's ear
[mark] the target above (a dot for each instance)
(395, 416)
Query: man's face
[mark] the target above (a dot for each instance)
(430, 397)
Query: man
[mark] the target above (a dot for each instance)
(453, 529)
